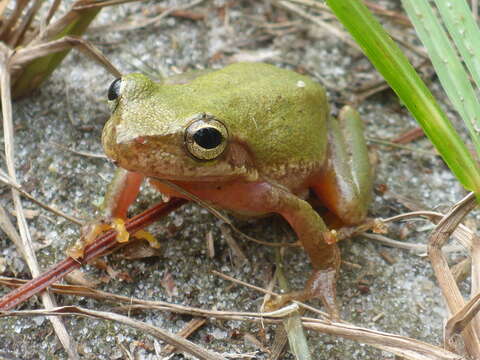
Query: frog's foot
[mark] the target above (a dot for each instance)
(377, 226)
(91, 231)
(141, 249)
(321, 285)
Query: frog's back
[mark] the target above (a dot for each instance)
(280, 115)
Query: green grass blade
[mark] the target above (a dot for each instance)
(296, 336)
(447, 64)
(402, 77)
(465, 33)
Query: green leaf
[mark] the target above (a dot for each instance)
(447, 64)
(403, 79)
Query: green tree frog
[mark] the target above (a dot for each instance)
(250, 138)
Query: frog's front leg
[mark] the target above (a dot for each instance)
(345, 184)
(121, 193)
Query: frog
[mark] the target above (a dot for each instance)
(252, 139)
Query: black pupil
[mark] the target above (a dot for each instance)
(114, 89)
(208, 137)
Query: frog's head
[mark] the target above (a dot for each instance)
(154, 131)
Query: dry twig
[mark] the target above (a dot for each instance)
(445, 278)
(177, 341)
(26, 247)
(104, 243)
(400, 345)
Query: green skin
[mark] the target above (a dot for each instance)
(281, 142)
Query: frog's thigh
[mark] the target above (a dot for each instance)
(345, 186)
(311, 231)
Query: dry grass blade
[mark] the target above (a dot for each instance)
(9, 24)
(104, 243)
(399, 345)
(3, 6)
(316, 20)
(183, 13)
(9, 182)
(400, 146)
(279, 343)
(462, 269)
(396, 16)
(26, 55)
(34, 63)
(43, 47)
(406, 347)
(10, 230)
(142, 22)
(177, 341)
(192, 326)
(418, 248)
(68, 20)
(475, 282)
(82, 4)
(243, 283)
(443, 274)
(53, 9)
(239, 257)
(462, 234)
(81, 153)
(26, 240)
(16, 36)
(457, 323)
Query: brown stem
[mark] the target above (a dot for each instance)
(104, 243)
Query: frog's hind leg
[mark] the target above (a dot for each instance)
(345, 185)
(319, 244)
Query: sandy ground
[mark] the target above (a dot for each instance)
(70, 109)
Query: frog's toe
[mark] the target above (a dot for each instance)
(139, 250)
(92, 230)
(279, 301)
(321, 285)
(145, 235)
(89, 233)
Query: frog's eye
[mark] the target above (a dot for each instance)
(114, 89)
(206, 137)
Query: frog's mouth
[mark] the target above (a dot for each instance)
(165, 157)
